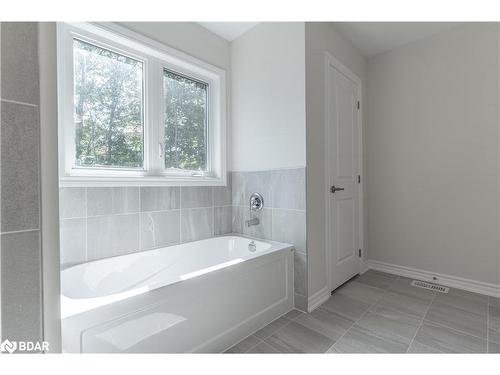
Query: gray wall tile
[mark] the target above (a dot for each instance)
(289, 189)
(112, 200)
(246, 183)
(21, 286)
(196, 224)
(20, 62)
(112, 235)
(290, 226)
(20, 164)
(73, 241)
(196, 197)
(160, 229)
(283, 218)
(72, 202)
(159, 198)
(223, 220)
(222, 194)
(262, 230)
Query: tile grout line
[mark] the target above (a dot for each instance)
(362, 316)
(19, 103)
(422, 321)
(457, 330)
(262, 340)
(259, 341)
(20, 231)
(280, 328)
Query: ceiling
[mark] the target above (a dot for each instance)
(371, 38)
(228, 30)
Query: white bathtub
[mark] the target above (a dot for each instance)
(202, 296)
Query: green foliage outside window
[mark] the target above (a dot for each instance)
(108, 108)
(185, 122)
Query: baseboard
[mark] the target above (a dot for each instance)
(446, 280)
(317, 299)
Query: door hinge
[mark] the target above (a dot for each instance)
(359, 253)
(358, 104)
(359, 178)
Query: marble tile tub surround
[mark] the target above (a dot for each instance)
(283, 217)
(99, 222)
(20, 183)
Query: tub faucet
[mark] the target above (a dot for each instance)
(254, 221)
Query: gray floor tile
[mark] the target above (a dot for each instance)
(404, 303)
(467, 302)
(417, 347)
(345, 306)
(296, 338)
(494, 324)
(263, 348)
(272, 327)
(494, 301)
(360, 340)
(244, 345)
(494, 335)
(325, 322)
(458, 319)
(332, 350)
(390, 324)
(447, 340)
(360, 292)
(493, 347)
(403, 286)
(376, 279)
(494, 316)
(479, 298)
(293, 314)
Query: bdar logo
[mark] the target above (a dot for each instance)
(8, 346)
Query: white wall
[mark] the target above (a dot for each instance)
(268, 101)
(188, 37)
(321, 37)
(432, 154)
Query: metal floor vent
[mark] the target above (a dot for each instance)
(425, 285)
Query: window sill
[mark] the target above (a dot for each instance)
(115, 181)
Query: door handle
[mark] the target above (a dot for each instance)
(333, 189)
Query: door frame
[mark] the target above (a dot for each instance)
(331, 61)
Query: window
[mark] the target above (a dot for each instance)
(185, 122)
(109, 123)
(135, 112)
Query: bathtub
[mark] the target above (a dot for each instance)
(202, 296)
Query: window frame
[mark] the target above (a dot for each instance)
(155, 58)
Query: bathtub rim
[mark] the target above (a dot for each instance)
(102, 301)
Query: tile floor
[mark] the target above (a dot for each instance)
(382, 313)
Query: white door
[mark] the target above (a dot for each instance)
(343, 167)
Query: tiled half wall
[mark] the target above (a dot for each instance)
(283, 217)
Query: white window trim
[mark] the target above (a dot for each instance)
(155, 56)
